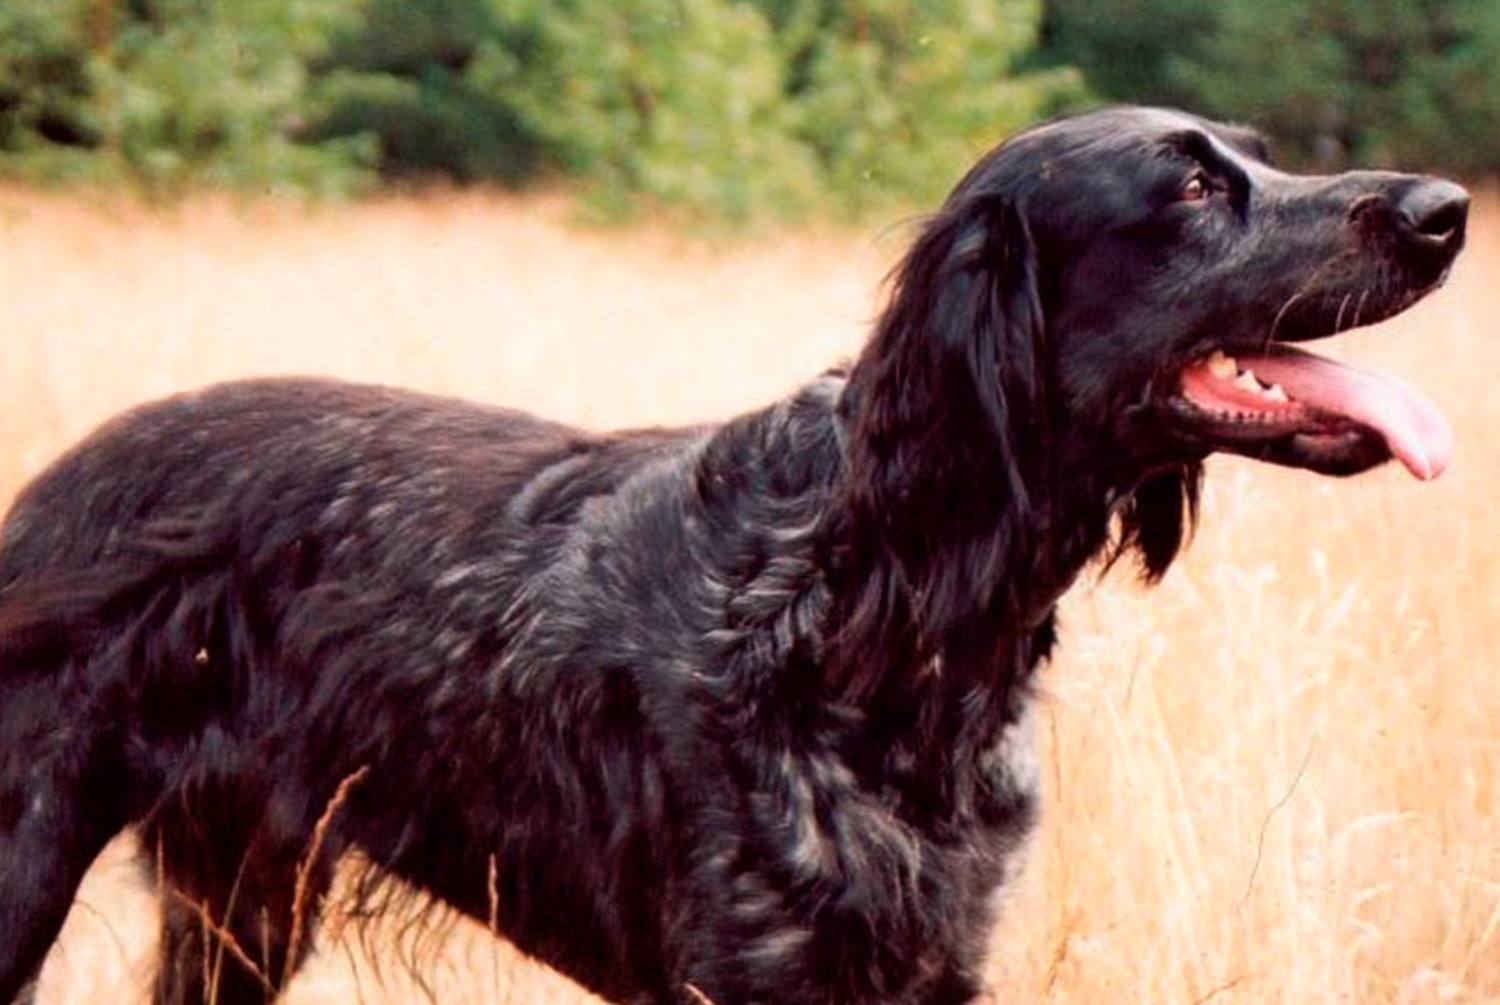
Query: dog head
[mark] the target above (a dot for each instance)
(1101, 303)
(1176, 268)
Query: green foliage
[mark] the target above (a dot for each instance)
(1128, 49)
(721, 107)
(1374, 82)
(207, 91)
(1379, 82)
(398, 77)
(44, 82)
(681, 101)
(895, 97)
(167, 93)
(729, 108)
(434, 124)
(724, 108)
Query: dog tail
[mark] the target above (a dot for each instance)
(48, 614)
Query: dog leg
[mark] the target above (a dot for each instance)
(240, 899)
(59, 805)
(41, 865)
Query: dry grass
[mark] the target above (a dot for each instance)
(1271, 780)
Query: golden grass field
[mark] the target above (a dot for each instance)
(1275, 778)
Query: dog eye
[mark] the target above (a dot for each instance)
(1197, 188)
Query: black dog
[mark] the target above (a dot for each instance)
(738, 712)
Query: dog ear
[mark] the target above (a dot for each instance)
(946, 433)
(962, 338)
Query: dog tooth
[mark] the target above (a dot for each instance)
(1221, 365)
(1247, 381)
(1277, 393)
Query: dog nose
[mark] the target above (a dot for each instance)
(1434, 212)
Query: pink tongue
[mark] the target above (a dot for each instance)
(1414, 429)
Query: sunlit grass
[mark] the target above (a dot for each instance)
(1270, 780)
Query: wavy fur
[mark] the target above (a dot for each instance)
(738, 710)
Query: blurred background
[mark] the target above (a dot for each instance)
(734, 108)
(1271, 779)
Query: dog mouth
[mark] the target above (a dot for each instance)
(1288, 406)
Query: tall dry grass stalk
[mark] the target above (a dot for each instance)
(1273, 779)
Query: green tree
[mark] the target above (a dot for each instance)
(681, 101)
(209, 92)
(399, 76)
(1391, 83)
(896, 97)
(166, 92)
(730, 108)
(1375, 82)
(45, 85)
(1128, 49)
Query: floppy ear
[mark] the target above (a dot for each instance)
(946, 434)
(961, 338)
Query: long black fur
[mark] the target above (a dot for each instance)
(737, 710)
